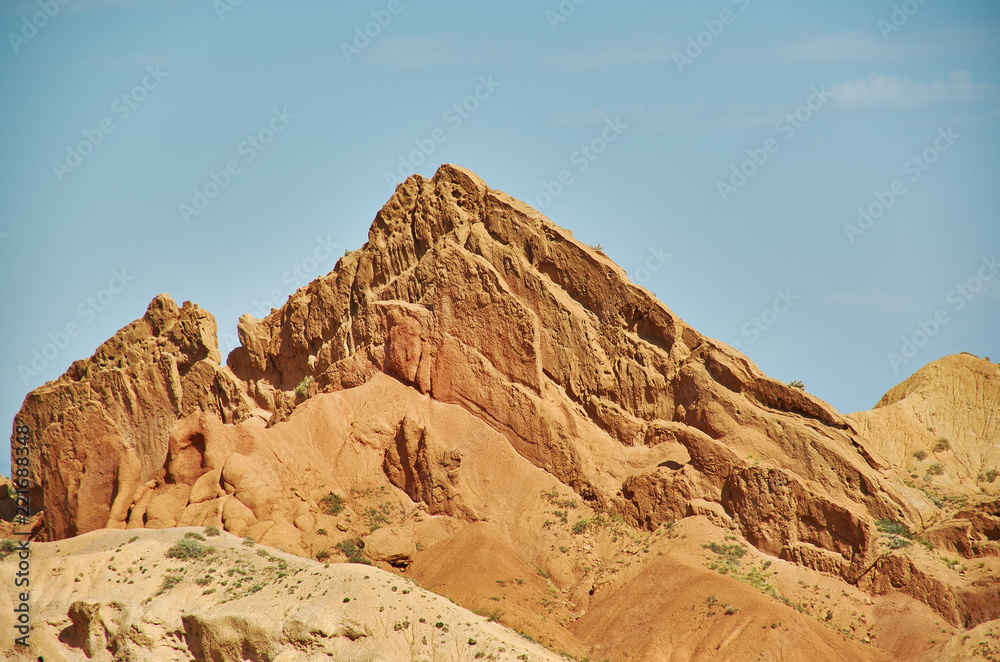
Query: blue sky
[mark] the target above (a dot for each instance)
(818, 181)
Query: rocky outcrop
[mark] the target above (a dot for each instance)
(942, 424)
(102, 430)
(469, 357)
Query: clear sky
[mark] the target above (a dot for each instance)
(818, 181)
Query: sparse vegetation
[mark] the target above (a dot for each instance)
(188, 548)
(894, 528)
(302, 389)
(597, 247)
(321, 532)
(797, 383)
(195, 536)
(249, 541)
(942, 445)
(542, 572)
(730, 554)
(991, 475)
(920, 455)
(331, 504)
(6, 548)
(580, 526)
(352, 550)
(323, 555)
(935, 469)
(895, 542)
(212, 531)
(376, 518)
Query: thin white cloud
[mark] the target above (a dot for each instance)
(136, 62)
(882, 91)
(615, 57)
(414, 52)
(857, 46)
(585, 118)
(873, 300)
(29, 7)
(869, 46)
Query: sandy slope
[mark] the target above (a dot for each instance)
(98, 596)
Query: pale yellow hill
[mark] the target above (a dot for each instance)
(942, 425)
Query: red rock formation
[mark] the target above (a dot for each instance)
(470, 354)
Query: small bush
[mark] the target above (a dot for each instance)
(249, 541)
(321, 532)
(302, 390)
(212, 531)
(6, 548)
(935, 469)
(942, 445)
(332, 504)
(580, 526)
(597, 247)
(187, 548)
(991, 475)
(169, 582)
(352, 550)
(195, 536)
(797, 383)
(920, 455)
(893, 528)
(896, 542)
(322, 555)
(542, 572)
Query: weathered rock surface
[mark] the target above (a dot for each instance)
(108, 596)
(102, 430)
(473, 378)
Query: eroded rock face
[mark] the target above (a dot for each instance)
(474, 298)
(465, 297)
(102, 430)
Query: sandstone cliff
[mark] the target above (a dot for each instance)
(473, 378)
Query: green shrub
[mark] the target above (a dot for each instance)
(169, 582)
(580, 526)
(941, 445)
(935, 469)
(249, 541)
(731, 554)
(920, 455)
(195, 536)
(321, 532)
(893, 528)
(212, 531)
(542, 572)
(895, 542)
(187, 548)
(302, 389)
(352, 550)
(797, 383)
(6, 548)
(322, 555)
(332, 503)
